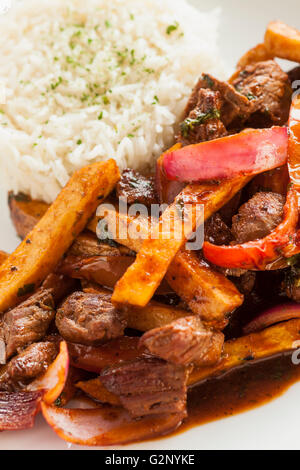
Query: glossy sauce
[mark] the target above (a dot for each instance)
(241, 390)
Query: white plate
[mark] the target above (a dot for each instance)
(272, 426)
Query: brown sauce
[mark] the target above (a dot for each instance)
(240, 390)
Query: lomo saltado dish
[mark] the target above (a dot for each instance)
(132, 324)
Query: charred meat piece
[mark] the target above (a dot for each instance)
(245, 282)
(59, 286)
(88, 245)
(268, 88)
(28, 365)
(291, 283)
(148, 386)
(136, 189)
(294, 75)
(235, 107)
(89, 319)
(204, 120)
(274, 181)
(28, 322)
(216, 231)
(258, 217)
(184, 341)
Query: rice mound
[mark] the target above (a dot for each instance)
(91, 80)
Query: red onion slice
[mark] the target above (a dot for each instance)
(106, 426)
(18, 410)
(280, 313)
(54, 380)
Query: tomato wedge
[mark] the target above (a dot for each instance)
(251, 152)
(259, 253)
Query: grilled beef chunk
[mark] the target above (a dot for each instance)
(89, 319)
(204, 120)
(136, 188)
(28, 365)
(294, 75)
(245, 282)
(28, 322)
(148, 386)
(258, 217)
(216, 231)
(59, 286)
(88, 245)
(184, 341)
(235, 107)
(268, 88)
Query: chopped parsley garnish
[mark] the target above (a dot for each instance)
(173, 27)
(105, 99)
(209, 80)
(55, 85)
(133, 59)
(188, 124)
(251, 97)
(100, 116)
(107, 24)
(79, 142)
(27, 289)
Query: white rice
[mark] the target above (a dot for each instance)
(88, 80)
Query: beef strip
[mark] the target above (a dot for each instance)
(89, 319)
(59, 286)
(235, 107)
(294, 75)
(137, 189)
(28, 322)
(203, 122)
(184, 341)
(216, 231)
(88, 245)
(268, 88)
(258, 217)
(245, 282)
(148, 386)
(28, 365)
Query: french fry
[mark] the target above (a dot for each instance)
(207, 292)
(277, 339)
(283, 41)
(39, 253)
(142, 278)
(3, 256)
